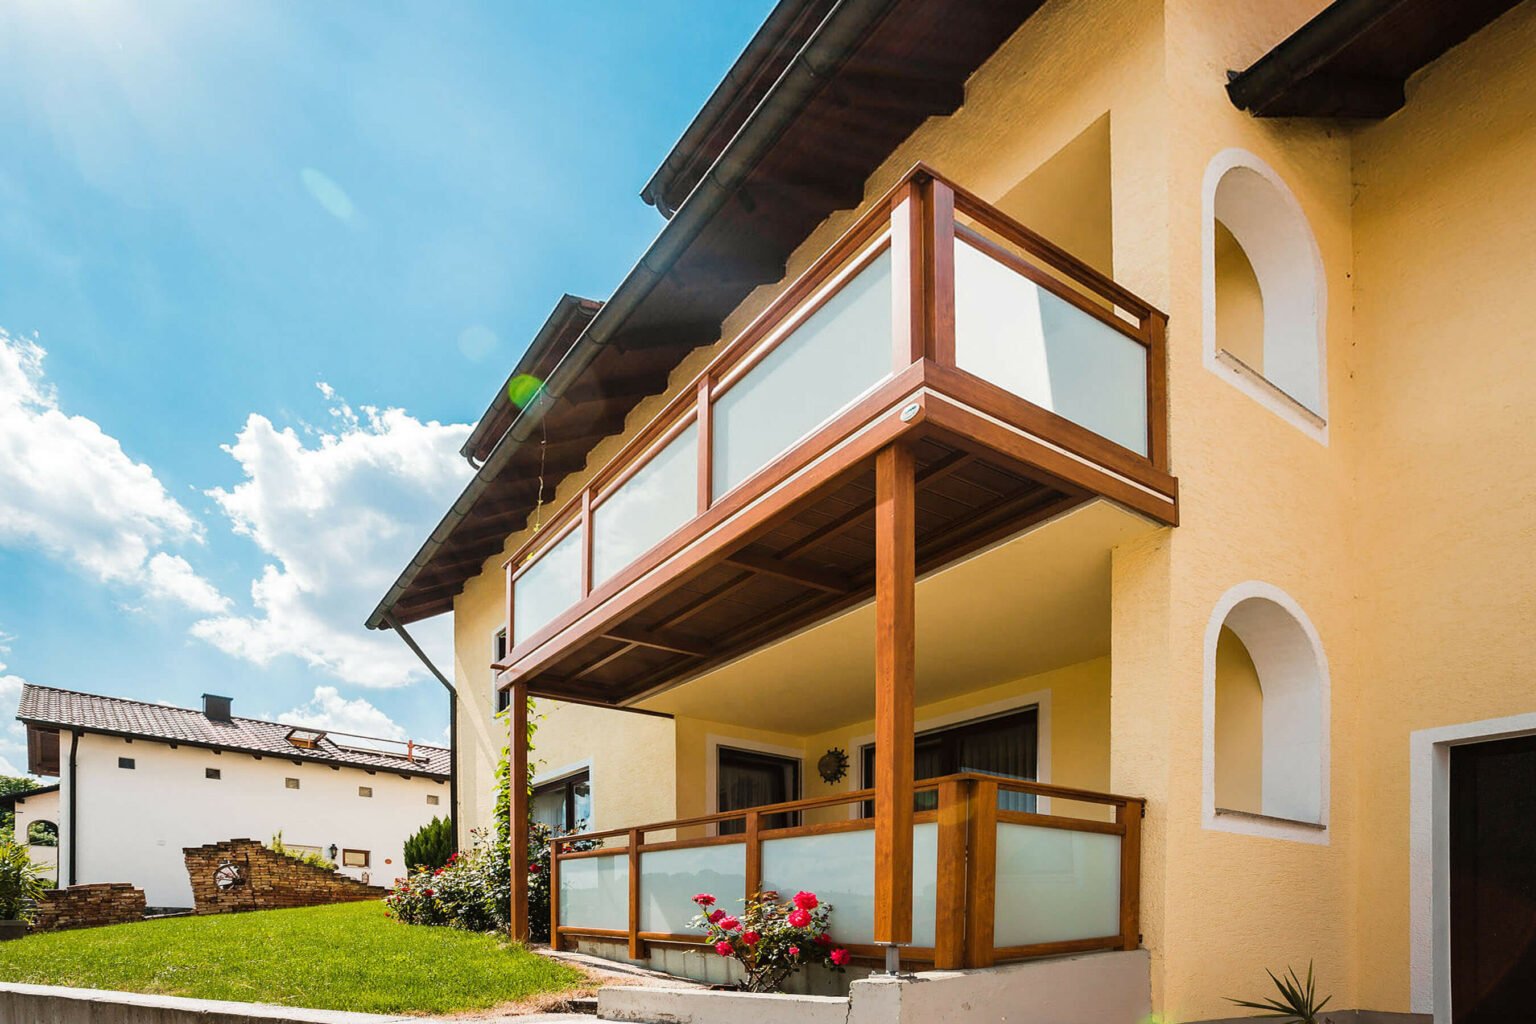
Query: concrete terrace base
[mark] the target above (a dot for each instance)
(704, 965)
(1097, 988)
(47, 1004)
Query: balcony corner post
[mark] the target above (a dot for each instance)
(895, 682)
(949, 938)
(517, 787)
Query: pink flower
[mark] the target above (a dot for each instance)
(806, 900)
(704, 899)
(533, 869)
(723, 948)
(716, 916)
(799, 918)
(750, 938)
(823, 939)
(840, 957)
(794, 950)
(729, 924)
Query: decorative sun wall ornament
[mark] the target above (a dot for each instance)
(228, 876)
(833, 765)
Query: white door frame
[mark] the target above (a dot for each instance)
(1429, 853)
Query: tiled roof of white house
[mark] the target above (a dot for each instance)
(118, 716)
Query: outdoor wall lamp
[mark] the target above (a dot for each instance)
(333, 851)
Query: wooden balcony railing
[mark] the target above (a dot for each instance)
(992, 882)
(934, 316)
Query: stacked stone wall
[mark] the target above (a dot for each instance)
(264, 880)
(88, 906)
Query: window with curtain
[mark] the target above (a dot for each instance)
(564, 804)
(748, 778)
(1007, 746)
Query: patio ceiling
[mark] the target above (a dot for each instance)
(1039, 601)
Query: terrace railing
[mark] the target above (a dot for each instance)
(931, 291)
(990, 883)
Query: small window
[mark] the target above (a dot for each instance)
(291, 783)
(564, 804)
(500, 699)
(211, 773)
(365, 791)
(354, 858)
(125, 762)
(432, 799)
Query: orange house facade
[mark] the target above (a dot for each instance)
(1028, 493)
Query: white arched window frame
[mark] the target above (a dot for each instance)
(1265, 218)
(1293, 671)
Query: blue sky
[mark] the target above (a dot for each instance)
(260, 265)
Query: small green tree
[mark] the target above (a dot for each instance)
(21, 886)
(431, 846)
(10, 784)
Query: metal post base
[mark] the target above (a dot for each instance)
(893, 963)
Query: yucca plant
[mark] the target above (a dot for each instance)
(1298, 1002)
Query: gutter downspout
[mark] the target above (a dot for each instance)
(831, 44)
(74, 800)
(453, 724)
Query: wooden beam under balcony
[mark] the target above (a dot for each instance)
(810, 576)
(659, 641)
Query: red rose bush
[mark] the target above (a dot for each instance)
(773, 938)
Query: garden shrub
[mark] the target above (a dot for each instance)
(431, 846)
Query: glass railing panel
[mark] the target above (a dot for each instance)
(1054, 885)
(594, 892)
(838, 353)
(1027, 340)
(839, 867)
(659, 498)
(669, 879)
(548, 587)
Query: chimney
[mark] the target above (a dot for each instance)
(216, 708)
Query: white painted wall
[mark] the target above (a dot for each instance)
(133, 823)
(39, 808)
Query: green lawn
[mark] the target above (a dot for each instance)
(345, 957)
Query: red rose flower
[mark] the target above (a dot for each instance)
(794, 950)
(823, 939)
(840, 957)
(729, 924)
(704, 899)
(806, 900)
(427, 892)
(750, 938)
(799, 918)
(723, 948)
(716, 916)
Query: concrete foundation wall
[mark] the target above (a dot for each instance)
(46, 1004)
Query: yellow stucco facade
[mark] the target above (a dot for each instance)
(1400, 525)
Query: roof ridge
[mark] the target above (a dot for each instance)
(233, 718)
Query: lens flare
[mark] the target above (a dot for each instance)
(523, 389)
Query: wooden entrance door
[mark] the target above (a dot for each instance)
(1493, 882)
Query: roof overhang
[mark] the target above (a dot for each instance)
(1354, 59)
(776, 161)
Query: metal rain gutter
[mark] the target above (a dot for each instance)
(842, 29)
(1304, 51)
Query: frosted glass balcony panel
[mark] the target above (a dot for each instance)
(670, 878)
(1012, 332)
(838, 353)
(839, 867)
(659, 498)
(1054, 885)
(549, 586)
(594, 892)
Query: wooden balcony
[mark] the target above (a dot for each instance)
(993, 879)
(1015, 381)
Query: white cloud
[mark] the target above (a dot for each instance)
(171, 578)
(68, 487)
(13, 735)
(328, 709)
(340, 511)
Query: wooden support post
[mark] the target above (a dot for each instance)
(636, 947)
(554, 892)
(1129, 814)
(895, 622)
(949, 934)
(517, 784)
(1157, 389)
(754, 854)
(981, 875)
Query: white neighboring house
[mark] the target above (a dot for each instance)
(140, 781)
(33, 806)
